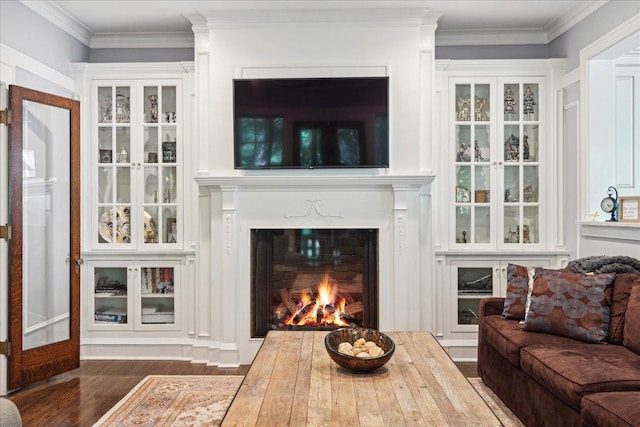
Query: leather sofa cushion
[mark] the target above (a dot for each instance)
(507, 338)
(613, 409)
(621, 290)
(575, 371)
(632, 322)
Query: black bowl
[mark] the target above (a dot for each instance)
(353, 363)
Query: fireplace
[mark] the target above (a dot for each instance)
(313, 278)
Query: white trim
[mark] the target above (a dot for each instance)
(54, 14)
(612, 37)
(563, 23)
(15, 59)
(570, 78)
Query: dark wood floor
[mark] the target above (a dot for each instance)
(82, 396)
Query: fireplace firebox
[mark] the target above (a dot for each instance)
(313, 279)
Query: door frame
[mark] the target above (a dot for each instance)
(13, 65)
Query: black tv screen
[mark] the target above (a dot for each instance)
(311, 123)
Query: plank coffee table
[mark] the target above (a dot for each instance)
(293, 382)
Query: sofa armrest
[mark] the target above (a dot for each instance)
(491, 305)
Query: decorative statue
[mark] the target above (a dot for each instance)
(512, 148)
(477, 152)
(108, 108)
(528, 102)
(122, 108)
(464, 153)
(509, 103)
(153, 109)
(464, 108)
(480, 114)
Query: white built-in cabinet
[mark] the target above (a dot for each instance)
(500, 185)
(134, 297)
(135, 131)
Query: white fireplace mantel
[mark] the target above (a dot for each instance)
(398, 206)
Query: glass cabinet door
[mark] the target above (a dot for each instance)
(159, 165)
(157, 295)
(114, 165)
(473, 119)
(474, 283)
(137, 164)
(521, 176)
(110, 296)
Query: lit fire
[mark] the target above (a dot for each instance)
(324, 308)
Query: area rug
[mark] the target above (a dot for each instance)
(504, 414)
(174, 400)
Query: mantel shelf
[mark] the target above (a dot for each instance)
(294, 181)
(629, 231)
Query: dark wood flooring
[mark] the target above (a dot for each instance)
(82, 396)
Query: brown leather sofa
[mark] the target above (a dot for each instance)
(551, 380)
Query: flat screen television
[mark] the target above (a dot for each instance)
(309, 123)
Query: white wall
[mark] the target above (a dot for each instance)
(319, 50)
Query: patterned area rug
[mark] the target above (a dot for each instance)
(174, 400)
(202, 400)
(504, 414)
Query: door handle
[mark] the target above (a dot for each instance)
(79, 262)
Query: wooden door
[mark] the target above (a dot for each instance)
(44, 248)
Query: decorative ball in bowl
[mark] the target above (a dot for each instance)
(366, 349)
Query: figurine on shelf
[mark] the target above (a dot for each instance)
(464, 153)
(122, 108)
(153, 109)
(123, 156)
(106, 117)
(462, 194)
(529, 193)
(464, 108)
(509, 103)
(512, 148)
(528, 102)
(480, 114)
(463, 239)
(477, 152)
(512, 236)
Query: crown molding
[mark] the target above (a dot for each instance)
(571, 18)
(229, 14)
(61, 19)
(142, 40)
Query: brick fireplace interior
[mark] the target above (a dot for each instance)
(313, 278)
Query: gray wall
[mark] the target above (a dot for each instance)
(594, 26)
(537, 51)
(141, 55)
(32, 35)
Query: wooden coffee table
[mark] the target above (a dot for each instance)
(293, 382)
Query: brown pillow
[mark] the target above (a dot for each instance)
(517, 290)
(570, 304)
(632, 321)
(621, 290)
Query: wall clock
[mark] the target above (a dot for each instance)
(610, 204)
